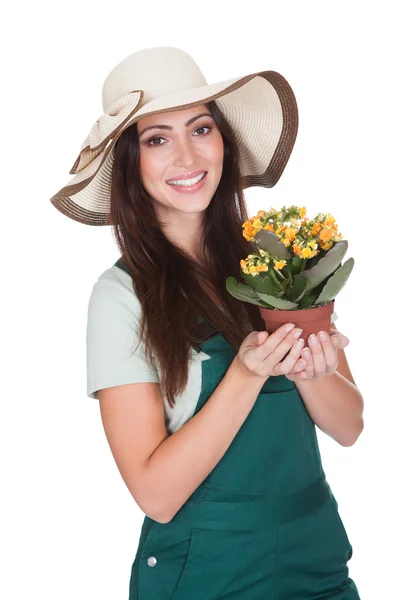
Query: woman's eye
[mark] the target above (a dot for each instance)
(150, 142)
(204, 127)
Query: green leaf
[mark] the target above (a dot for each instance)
(242, 292)
(336, 282)
(267, 286)
(325, 265)
(296, 260)
(278, 302)
(295, 264)
(307, 301)
(253, 282)
(269, 241)
(297, 291)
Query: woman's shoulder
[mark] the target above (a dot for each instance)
(117, 276)
(114, 287)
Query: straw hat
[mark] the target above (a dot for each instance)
(261, 109)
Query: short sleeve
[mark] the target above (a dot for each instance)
(112, 351)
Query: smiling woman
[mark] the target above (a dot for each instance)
(218, 458)
(183, 231)
(192, 145)
(182, 228)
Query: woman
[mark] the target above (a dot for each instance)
(211, 425)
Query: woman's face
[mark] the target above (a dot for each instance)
(178, 144)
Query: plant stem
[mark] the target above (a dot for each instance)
(274, 277)
(303, 264)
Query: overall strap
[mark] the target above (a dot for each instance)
(122, 265)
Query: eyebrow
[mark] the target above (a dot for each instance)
(170, 128)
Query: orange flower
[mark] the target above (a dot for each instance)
(268, 227)
(291, 233)
(325, 235)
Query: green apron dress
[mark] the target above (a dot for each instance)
(264, 524)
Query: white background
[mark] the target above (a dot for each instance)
(70, 527)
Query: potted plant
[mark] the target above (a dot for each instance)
(296, 269)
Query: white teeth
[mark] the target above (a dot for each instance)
(186, 182)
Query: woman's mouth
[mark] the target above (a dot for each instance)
(188, 185)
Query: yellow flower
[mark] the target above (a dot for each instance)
(279, 265)
(262, 268)
(306, 253)
(329, 220)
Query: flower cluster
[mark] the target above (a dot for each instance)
(302, 236)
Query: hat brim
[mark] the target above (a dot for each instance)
(261, 109)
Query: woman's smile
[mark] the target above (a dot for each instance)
(194, 185)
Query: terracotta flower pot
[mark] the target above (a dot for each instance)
(311, 320)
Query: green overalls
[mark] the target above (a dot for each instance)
(264, 524)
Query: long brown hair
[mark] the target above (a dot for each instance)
(168, 282)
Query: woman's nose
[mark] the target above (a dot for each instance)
(185, 153)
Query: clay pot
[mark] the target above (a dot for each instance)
(311, 320)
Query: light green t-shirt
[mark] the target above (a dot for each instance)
(113, 354)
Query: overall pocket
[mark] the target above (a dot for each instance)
(165, 560)
(313, 555)
(225, 563)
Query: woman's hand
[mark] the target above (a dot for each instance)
(319, 359)
(262, 354)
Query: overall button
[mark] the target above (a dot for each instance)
(152, 561)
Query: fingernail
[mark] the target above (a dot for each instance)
(290, 326)
(323, 336)
(298, 333)
(313, 339)
(300, 343)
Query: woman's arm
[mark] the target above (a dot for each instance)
(336, 405)
(161, 471)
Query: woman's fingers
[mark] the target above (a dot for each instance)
(323, 353)
(279, 343)
(289, 362)
(338, 340)
(318, 355)
(329, 351)
(309, 368)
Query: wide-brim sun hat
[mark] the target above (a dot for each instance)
(260, 107)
